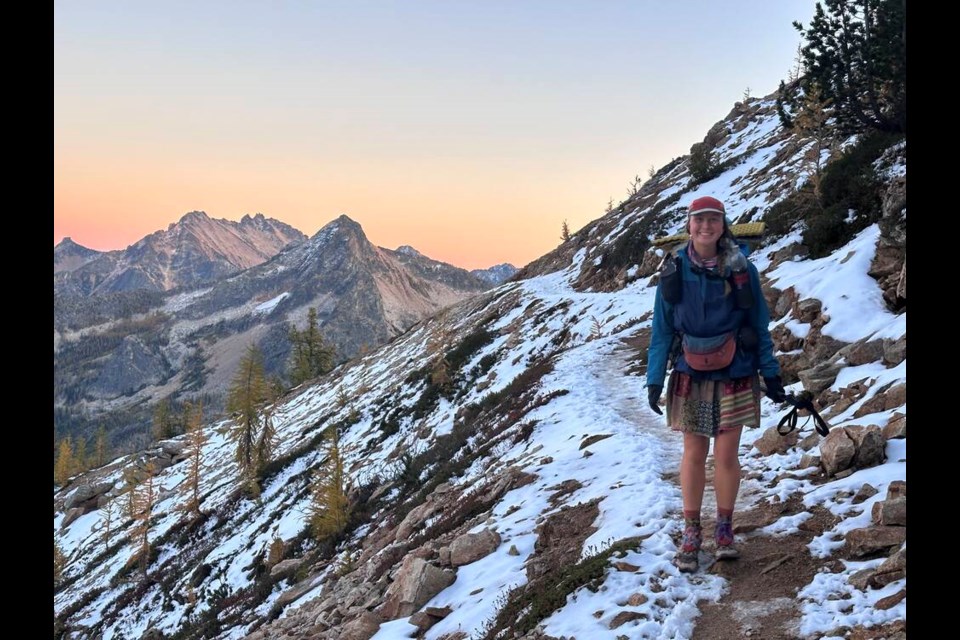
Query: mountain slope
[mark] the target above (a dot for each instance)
(68, 255)
(195, 250)
(189, 343)
(506, 472)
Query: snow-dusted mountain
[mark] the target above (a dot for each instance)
(68, 255)
(507, 477)
(497, 273)
(116, 352)
(192, 251)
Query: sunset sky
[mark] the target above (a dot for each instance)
(468, 129)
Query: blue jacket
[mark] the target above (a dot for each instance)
(707, 308)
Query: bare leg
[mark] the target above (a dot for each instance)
(693, 473)
(726, 461)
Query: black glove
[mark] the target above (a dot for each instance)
(653, 396)
(775, 389)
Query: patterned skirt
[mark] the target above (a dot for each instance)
(708, 407)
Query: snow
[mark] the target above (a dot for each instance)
(271, 304)
(626, 473)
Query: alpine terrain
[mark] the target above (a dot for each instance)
(494, 471)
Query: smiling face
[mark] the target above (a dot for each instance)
(705, 230)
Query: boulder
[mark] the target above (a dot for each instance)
(772, 442)
(895, 396)
(866, 491)
(893, 568)
(870, 540)
(894, 351)
(890, 512)
(819, 377)
(890, 601)
(470, 547)
(807, 309)
(285, 567)
(896, 427)
(86, 493)
(870, 444)
(415, 583)
(837, 451)
(784, 340)
(897, 489)
(363, 627)
(863, 352)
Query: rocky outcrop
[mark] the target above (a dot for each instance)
(852, 447)
(560, 538)
(470, 547)
(416, 582)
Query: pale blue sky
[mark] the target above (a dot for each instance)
(470, 130)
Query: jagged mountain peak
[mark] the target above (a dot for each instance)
(408, 250)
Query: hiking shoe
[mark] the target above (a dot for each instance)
(723, 536)
(687, 561)
(687, 558)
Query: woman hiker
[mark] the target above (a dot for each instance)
(709, 300)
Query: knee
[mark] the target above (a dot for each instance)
(727, 463)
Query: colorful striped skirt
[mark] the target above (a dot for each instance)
(709, 407)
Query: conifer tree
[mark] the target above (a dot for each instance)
(564, 231)
(855, 54)
(65, 463)
(164, 422)
(130, 482)
(144, 501)
(248, 392)
(195, 441)
(108, 516)
(100, 448)
(310, 355)
(59, 564)
(329, 509)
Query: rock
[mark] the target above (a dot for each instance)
(861, 579)
(872, 405)
(822, 348)
(86, 493)
(791, 364)
(893, 568)
(837, 451)
(807, 309)
(810, 441)
(894, 351)
(870, 540)
(470, 547)
(172, 448)
(866, 491)
(636, 599)
(295, 592)
(546, 460)
(594, 438)
(863, 352)
(285, 567)
(71, 516)
(513, 551)
(626, 616)
(896, 427)
(438, 612)
(895, 396)
(870, 444)
(897, 489)
(788, 298)
(444, 556)
(808, 461)
(890, 512)
(846, 473)
(415, 583)
(784, 340)
(363, 627)
(423, 621)
(819, 377)
(891, 601)
(772, 442)
(620, 565)
(560, 538)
